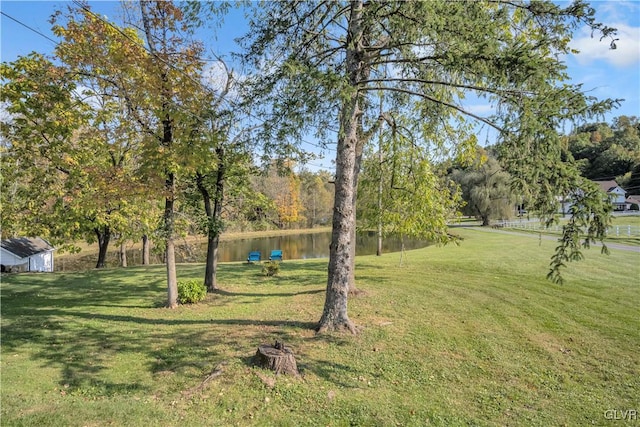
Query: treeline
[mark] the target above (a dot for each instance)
(602, 152)
(609, 151)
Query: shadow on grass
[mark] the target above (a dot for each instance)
(86, 324)
(267, 294)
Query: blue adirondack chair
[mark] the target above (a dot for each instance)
(276, 255)
(254, 256)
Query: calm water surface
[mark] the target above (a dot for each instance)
(303, 246)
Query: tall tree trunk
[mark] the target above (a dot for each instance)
(353, 290)
(342, 248)
(217, 214)
(104, 236)
(380, 160)
(209, 274)
(123, 255)
(214, 214)
(145, 250)
(172, 281)
(166, 94)
(334, 315)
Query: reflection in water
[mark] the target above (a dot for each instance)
(301, 246)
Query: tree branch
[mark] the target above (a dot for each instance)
(443, 83)
(446, 104)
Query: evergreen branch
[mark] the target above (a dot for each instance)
(450, 84)
(446, 104)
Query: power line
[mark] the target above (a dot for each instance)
(134, 42)
(262, 122)
(30, 28)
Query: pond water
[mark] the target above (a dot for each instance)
(299, 246)
(303, 246)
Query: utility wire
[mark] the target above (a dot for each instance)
(30, 28)
(134, 42)
(260, 121)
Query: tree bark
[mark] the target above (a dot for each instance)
(380, 160)
(166, 141)
(145, 250)
(277, 358)
(123, 255)
(217, 216)
(353, 289)
(104, 236)
(342, 248)
(172, 281)
(214, 213)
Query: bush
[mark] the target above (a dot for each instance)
(191, 291)
(270, 268)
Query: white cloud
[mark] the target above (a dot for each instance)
(215, 77)
(626, 54)
(616, 11)
(480, 109)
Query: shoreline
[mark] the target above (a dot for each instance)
(87, 249)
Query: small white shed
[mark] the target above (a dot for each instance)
(26, 254)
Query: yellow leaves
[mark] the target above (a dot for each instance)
(288, 202)
(69, 160)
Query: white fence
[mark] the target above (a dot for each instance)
(616, 230)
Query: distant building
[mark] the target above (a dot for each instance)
(616, 194)
(26, 254)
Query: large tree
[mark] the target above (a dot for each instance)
(225, 165)
(72, 173)
(153, 67)
(486, 190)
(402, 190)
(323, 58)
(38, 126)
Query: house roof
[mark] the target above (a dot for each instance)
(607, 186)
(26, 246)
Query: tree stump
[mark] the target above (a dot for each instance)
(277, 358)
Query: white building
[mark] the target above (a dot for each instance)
(616, 194)
(26, 254)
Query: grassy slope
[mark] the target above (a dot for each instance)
(620, 223)
(469, 335)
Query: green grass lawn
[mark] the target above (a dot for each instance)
(624, 230)
(460, 335)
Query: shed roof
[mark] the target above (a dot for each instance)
(26, 246)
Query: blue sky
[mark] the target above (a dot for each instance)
(604, 73)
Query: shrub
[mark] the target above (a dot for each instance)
(270, 268)
(191, 291)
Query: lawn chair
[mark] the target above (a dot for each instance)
(276, 255)
(254, 256)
